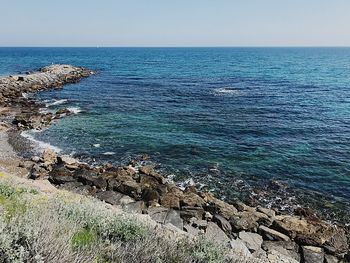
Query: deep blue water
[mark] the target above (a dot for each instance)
(214, 114)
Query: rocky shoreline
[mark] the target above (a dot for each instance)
(255, 232)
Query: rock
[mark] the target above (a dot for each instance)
(66, 160)
(126, 200)
(338, 243)
(148, 170)
(135, 207)
(170, 200)
(312, 233)
(150, 195)
(77, 187)
(61, 175)
(35, 159)
(243, 207)
(286, 248)
(49, 156)
(208, 216)
(165, 215)
(90, 178)
(330, 259)
(192, 200)
(271, 234)
(307, 213)
(217, 206)
(199, 223)
(109, 197)
(130, 188)
(312, 254)
(222, 223)
(240, 249)
(192, 230)
(251, 240)
(62, 112)
(188, 212)
(266, 211)
(37, 172)
(215, 234)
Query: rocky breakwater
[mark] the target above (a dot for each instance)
(14, 92)
(255, 232)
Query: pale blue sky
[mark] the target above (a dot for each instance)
(175, 23)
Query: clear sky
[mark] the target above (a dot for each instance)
(175, 23)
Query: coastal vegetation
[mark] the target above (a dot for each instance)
(64, 227)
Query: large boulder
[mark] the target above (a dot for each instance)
(240, 249)
(170, 200)
(249, 220)
(271, 234)
(320, 234)
(165, 215)
(61, 175)
(253, 241)
(49, 156)
(191, 199)
(286, 248)
(109, 197)
(91, 178)
(217, 206)
(312, 254)
(214, 233)
(222, 223)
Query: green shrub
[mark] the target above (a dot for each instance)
(84, 238)
(204, 250)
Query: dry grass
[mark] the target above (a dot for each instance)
(35, 227)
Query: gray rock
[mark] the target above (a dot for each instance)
(286, 248)
(192, 230)
(134, 207)
(110, 197)
(240, 248)
(67, 160)
(165, 215)
(215, 234)
(223, 223)
(199, 223)
(271, 234)
(312, 254)
(330, 259)
(253, 241)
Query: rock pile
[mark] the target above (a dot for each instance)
(13, 91)
(254, 232)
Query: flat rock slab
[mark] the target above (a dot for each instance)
(251, 240)
(164, 216)
(271, 234)
(216, 234)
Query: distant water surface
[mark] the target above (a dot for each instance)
(216, 115)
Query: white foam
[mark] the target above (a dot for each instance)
(41, 146)
(97, 145)
(74, 110)
(227, 91)
(56, 102)
(109, 153)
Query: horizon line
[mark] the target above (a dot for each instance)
(215, 46)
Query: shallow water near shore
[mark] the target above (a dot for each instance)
(221, 116)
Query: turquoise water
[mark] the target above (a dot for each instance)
(217, 115)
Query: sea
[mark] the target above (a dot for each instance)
(235, 121)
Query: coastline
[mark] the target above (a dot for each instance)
(151, 193)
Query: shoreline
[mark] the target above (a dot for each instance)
(151, 193)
